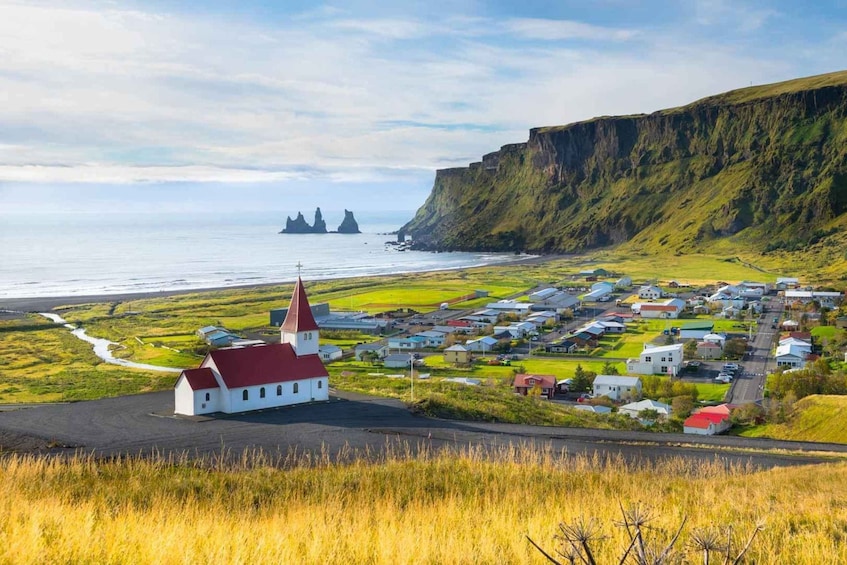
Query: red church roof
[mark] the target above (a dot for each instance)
(299, 317)
(199, 379)
(263, 364)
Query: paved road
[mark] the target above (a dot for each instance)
(128, 425)
(749, 386)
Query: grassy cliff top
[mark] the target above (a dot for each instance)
(739, 96)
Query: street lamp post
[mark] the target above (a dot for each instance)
(412, 373)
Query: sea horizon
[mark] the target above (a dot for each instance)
(80, 254)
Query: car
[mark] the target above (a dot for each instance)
(730, 367)
(584, 397)
(722, 379)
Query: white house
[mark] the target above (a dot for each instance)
(671, 308)
(330, 352)
(512, 306)
(407, 343)
(598, 293)
(633, 409)
(720, 339)
(664, 359)
(398, 361)
(792, 353)
(623, 283)
(650, 292)
(240, 379)
(617, 387)
(433, 338)
(783, 283)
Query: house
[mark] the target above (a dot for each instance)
(558, 302)
(509, 306)
(482, 344)
(650, 292)
(517, 329)
(220, 338)
(623, 283)
(826, 299)
(785, 283)
(457, 354)
(720, 339)
(617, 387)
(706, 423)
(792, 353)
(583, 339)
(709, 350)
(696, 330)
(241, 379)
(461, 325)
(634, 409)
(329, 352)
(432, 338)
(611, 327)
(398, 361)
(598, 294)
(367, 348)
(671, 308)
(599, 272)
(595, 409)
(562, 346)
(664, 359)
(206, 330)
(544, 384)
(407, 343)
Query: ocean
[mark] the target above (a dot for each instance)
(90, 254)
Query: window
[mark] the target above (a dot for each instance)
(663, 369)
(207, 397)
(320, 384)
(245, 395)
(296, 388)
(663, 359)
(279, 390)
(648, 359)
(262, 392)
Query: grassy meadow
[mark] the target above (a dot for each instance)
(814, 418)
(435, 507)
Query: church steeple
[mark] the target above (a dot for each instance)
(299, 328)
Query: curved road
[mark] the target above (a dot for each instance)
(350, 425)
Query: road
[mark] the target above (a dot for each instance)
(353, 426)
(749, 386)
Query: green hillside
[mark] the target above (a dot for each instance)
(761, 170)
(815, 418)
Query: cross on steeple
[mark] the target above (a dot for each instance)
(299, 268)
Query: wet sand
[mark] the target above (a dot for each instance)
(49, 303)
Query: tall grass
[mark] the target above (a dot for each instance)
(411, 506)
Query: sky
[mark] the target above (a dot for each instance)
(253, 106)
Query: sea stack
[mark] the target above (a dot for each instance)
(297, 225)
(320, 224)
(349, 224)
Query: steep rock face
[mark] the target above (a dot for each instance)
(764, 166)
(297, 225)
(319, 225)
(349, 223)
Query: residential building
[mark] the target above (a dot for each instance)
(407, 343)
(709, 350)
(634, 409)
(617, 387)
(562, 346)
(363, 348)
(432, 338)
(650, 292)
(329, 352)
(543, 294)
(545, 384)
(623, 283)
(457, 354)
(662, 359)
(398, 361)
(482, 345)
(667, 309)
(708, 421)
(784, 283)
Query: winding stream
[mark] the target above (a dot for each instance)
(101, 347)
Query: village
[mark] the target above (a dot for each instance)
(668, 350)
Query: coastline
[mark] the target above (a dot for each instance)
(49, 303)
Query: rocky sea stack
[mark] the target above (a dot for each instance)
(349, 224)
(300, 225)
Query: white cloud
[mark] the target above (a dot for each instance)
(116, 95)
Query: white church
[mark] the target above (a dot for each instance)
(240, 379)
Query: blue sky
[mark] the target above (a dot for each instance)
(147, 106)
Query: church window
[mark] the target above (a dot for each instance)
(245, 395)
(296, 388)
(279, 390)
(262, 392)
(320, 384)
(207, 397)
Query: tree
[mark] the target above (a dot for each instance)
(609, 368)
(582, 380)
(682, 407)
(689, 350)
(735, 348)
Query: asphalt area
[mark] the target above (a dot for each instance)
(348, 425)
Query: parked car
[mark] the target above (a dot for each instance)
(723, 379)
(584, 397)
(731, 367)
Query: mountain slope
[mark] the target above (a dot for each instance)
(761, 168)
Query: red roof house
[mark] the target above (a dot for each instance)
(525, 383)
(706, 423)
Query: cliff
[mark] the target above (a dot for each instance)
(349, 223)
(763, 168)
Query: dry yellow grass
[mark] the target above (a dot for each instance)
(437, 508)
